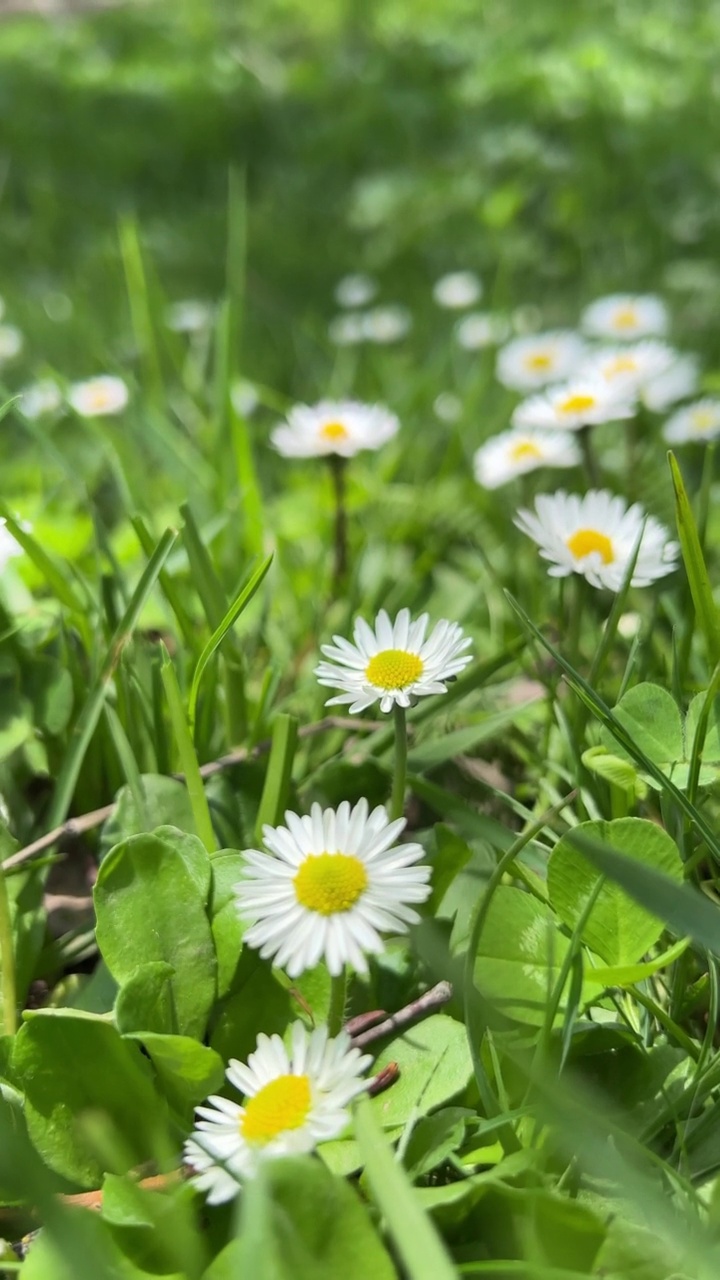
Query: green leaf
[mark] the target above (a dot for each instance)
(652, 718)
(435, 1066)
(154, 1229)
(705, 608)
(150, 903)
(520, 955)
(430, 754)
(259, 1002)
(49, 687)
(71, 1065)
(625, 975)
(227, 927)
(187, 1071)
(166, 804)
(617, 929)
(145, 1000)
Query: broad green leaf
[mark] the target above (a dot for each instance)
(258, 1003)
(520, 955)
(652, 718)
(166, 804)
(155, 1230)
(145, 1001)
(71, 1064)
(187, 1071)
(227, 927)
(434, 1138)
(150, 903)
(435, 1066)
(617, 929)
(625, 975)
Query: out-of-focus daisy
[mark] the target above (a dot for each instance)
(631, 367)
(699, 421)
(40, 398)
(189, 316)
(457, 290)
(582, 402)
(341, 427)
(480, 329)
(678, 382)
(393, 663)
(292, 1101)
(328, 886)
(513, 453)
(355, 291)
(244, 397)
(11, 342)
(9, 548)
(347, 330)
(98, 396)
(595, 535)
(626, 316)
(534, 361)
(447, 407)
(384, 325)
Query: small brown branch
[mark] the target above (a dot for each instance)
(433, 999)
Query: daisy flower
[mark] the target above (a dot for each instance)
(699, 421)
(681, 380)
(40, 398)
(293, 1100)
(326, 886)
(189, 316)
(384, 325)
(596, 535)
(626, 316)
(11, 341)
(457, 290)
(394, 663)
(98, 396)
(583, 402)
(355, 290)
(533, 361)
(514, 453)
(629, 368)
(347, 330)
(342, 427)
(480, 329)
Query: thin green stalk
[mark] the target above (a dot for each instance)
(338, 998)
(340, 563)
(7, 959)
(589, 459)
(397, 798)
(186, 752)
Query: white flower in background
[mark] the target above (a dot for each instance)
(448, 407)
(347, 330)
(514, 453)
(40, 398)
(596, 535)
(626, 316)
(342, 427)
(293, 1101)
(457, 290)
(480, 329)
(244, 397)
(699, 421)
(98, 396)
(534, 361)
(328, 886)
(189, 316)
(679, 382)
(393, 663)
(355, 291)
(629, 368)
(11, 342)
(386, 324)
(9, 548)
(583, 402)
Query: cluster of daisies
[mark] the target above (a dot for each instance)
(324, 889)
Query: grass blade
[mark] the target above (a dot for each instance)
(274, 798)
(706, 610)
(186, 752)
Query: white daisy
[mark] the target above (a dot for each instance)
(394, 663)
(11, 342)
(626, 316)
(355, 290)
(457, 290)
(98, 396)
(513, 453)
(384, 325)
(629, 368)
(342, 427)
(327, 888)
(480, 329)
(678, 382)
(293, 1101)
(347, 330)
(596, 535)
(698, 421)
(189, 316)
(40, 398)
(534, 361)
(582, 402)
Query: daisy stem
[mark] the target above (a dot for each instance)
(338, 998)
(338, 474)
(397, 798)
(7, 961)
(589, 458)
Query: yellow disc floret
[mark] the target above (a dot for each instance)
(626, 318)
(334, 431)
(393, 669)
(585, 541)
(330, 882)
(525, 449)
(703, 419)
(539, 362)
(577, 404)
(621, 364)
(282, 1104)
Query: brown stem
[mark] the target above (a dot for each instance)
(433, 999)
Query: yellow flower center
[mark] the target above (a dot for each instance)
(282, 1104)
(577, 404)
(330, 882)
(99, 398)
(621, 364)
(334, 431)
(525, 449)
(585, 541)
(703, 420)
(625, 318)
(538, 362)
(393, 669)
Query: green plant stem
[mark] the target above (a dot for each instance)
(397, 798)
(589, 459)
(7, 959)
(338, 996)
(186, 752)
(340, 563)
